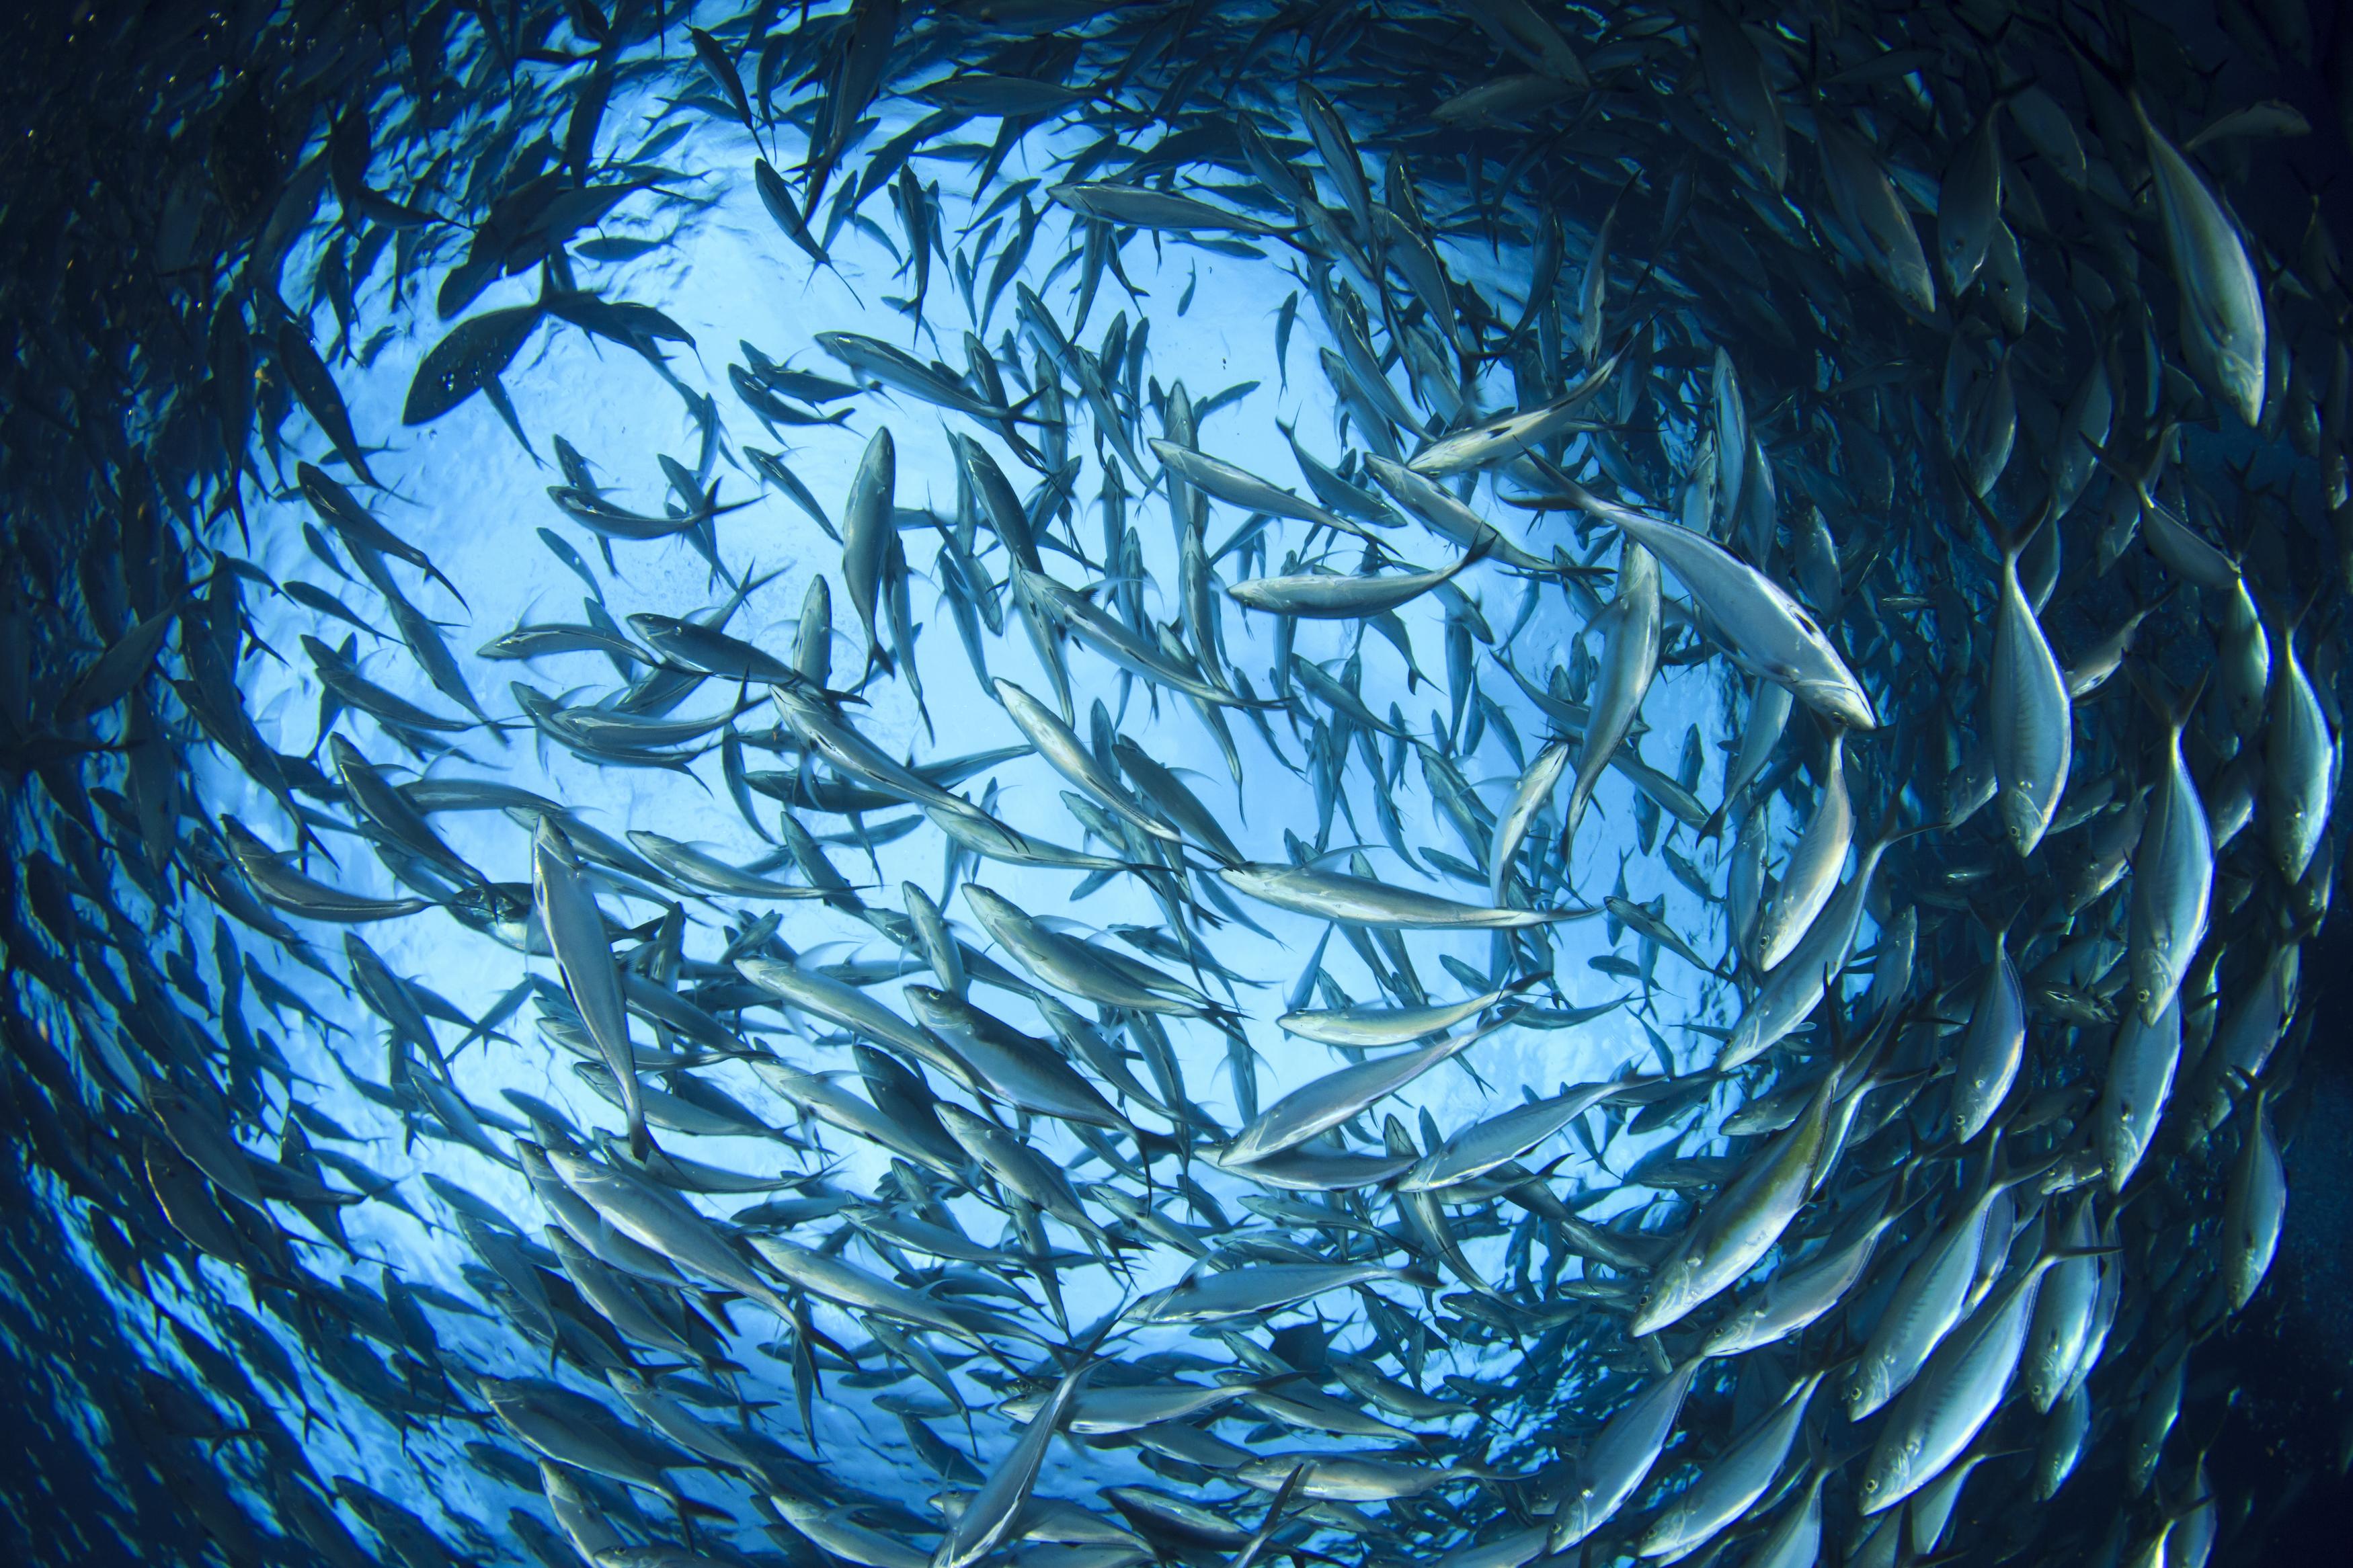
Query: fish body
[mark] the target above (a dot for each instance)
(1630, 634)
(1811, 875)
(2173, 884)
(1361, 900)
(1759, 625)
(1741, 1223)
(2223, 324)
(2030, 724)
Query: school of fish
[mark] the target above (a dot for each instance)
(1783, 605)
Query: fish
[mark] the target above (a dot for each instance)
(661, 1221)
(1210, 1298)
(1475, 1151)
(990, 1518)
(700, 870)
(2173, 881)
(1791, 992)
(1010, 1065)
(1876, 221)
(1529, 796)
(1968, 202)
(853, 1286)
(268, 874)
(1741, 1223)
(881, 362)
(1632, 628)
(1337, 1097)
(1811, 874)
(847, 1006)
(1741, 94)
(1369, 1027)
(1448, 517)
(2061, 1324)
(1140, 207)
(358, 528)
(1338, 896)
(1508, 436)
(2029, 722)
(1980, 1121)
(2252, 1211)
(1761, 629)
(1957, 1391)
(1621, 1457)
(2223, 324)
(867, 529)
(1329, 596)
(2299, 766)
(1739, 1477)
(1992, 1048)
(1797, 1295)
(1223, 481)
(1934, 1295)
(1067, 755)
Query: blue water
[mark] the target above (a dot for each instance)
(115, 1455)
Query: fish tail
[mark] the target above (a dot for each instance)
(2172, 705)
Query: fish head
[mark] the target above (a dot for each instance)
(2046, 1375)
(2022, 821)
(1734, 1329)
(1972, 1107)
(987, 905)
(963, 1126)
(1674, 1290)
(2153, 982)
(1866, 1389)
(2118, 1143)
(1888, 1480)
(1840, 700)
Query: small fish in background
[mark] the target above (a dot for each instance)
(747, 1023)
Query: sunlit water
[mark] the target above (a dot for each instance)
(464, 487)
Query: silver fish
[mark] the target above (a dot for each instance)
(2221, 304)
(1340, 1095)
(1361, 900)
(1765, 631)
(2134, 1090)
(2030, 727)
(1729, 1486)
(1811, 876)
(1956, 1394)
(2253, 1209)
(2299, 766)
(1796, 1295)
(2173, 883)
(1324, 596)
(988, 1520)
(575, 933)
(1741, 1223)
(1620, 1458)
(1993, 1047)
(1631, 633)
(1241, 1292)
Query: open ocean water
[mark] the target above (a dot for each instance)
(1077, 785)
